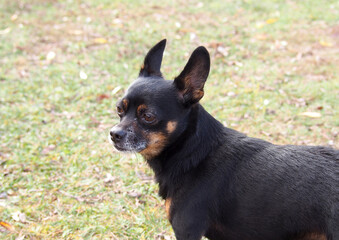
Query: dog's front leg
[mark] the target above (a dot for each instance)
(189, 225)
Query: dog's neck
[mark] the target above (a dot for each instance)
(187, 151)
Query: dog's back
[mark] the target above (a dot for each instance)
(289, 191)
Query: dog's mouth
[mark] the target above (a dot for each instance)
(120, 149)
(127, 146)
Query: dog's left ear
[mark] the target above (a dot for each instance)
(191, 80)
(153, 59)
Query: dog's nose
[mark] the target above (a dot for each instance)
(117, 134)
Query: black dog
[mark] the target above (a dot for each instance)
(218, 182)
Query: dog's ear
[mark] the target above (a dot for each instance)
(153, 59)
(191, 80)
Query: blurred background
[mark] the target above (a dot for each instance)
(64, 64)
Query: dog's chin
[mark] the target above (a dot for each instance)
(120, 149)
(128, 149)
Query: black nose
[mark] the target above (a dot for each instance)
(117, 134)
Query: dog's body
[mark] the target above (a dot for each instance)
(218, 182)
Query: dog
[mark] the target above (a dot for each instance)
(217, 182)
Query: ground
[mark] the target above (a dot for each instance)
(64, 64)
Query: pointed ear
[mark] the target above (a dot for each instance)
(153, 59)
(190, 83)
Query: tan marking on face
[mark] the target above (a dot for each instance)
(171, 126)
(141, 108)
(313, 236)
(156, 143)
(168, 203)
(125, 104)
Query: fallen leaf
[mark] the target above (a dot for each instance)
(101, 97)
(14, 17)
(83, 75)
(117, 23)
(21, 237)
(271, 20)
(3, 195)
(5, 31)
(50, 56)
(261, 36)
(100, 40)
(116, 90)
(214, 44)
(47, 149)
(259, 24)
(10, 192)
(311, 114)
(109, 178)
(134, 194)
(8, 226)
(222, 50)
(325, 43)
(76, 32)
(19, 217)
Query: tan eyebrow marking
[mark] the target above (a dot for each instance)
(125, 104)
(140, 108)
(171, 126)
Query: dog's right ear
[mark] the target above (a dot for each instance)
(153, 59)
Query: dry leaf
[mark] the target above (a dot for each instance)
(5, 31)
(3, 195)
(222, 50)
(83, 75)
(47, 149)
(271, 20)
(311, 114)
(21, 237)
(325, 43)
(260, 24)
(14, 17)
(101, 97)
(76, 32)
(8, 226)
(109, 178)
(261, 36)
(19, 217)
(116, 90)
(50, 56)
(134, 194)
(100, 40)
(117, 23)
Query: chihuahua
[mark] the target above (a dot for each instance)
(217, 182)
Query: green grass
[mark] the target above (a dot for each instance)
(271, 61)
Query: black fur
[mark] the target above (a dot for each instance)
(220, 183)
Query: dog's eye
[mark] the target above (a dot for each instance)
(148, 117)
(120, 111)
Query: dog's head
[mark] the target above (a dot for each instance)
(153, 111)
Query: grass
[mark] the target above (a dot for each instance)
(60, 178)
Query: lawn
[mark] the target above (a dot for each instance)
(64, 64)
